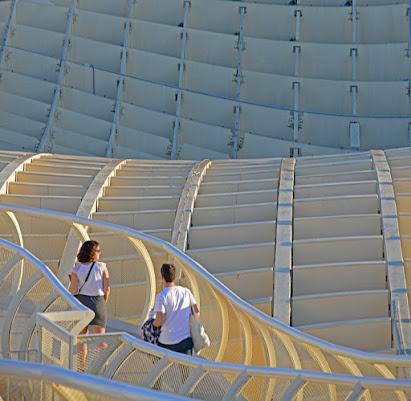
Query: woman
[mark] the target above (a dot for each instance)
(90, 283)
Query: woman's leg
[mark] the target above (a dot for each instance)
(82, 352)
(99, 330)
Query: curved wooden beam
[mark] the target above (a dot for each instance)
(392, 245)
(284, 243)
(87, 206)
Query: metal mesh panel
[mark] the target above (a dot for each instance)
(383, 395)
(56, 348)
(135, 367)
(319, 391)
(213, 386)
(278, 388)
(253, 390)
(90, 348)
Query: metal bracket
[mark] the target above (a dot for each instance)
(290, 123)
(235, 107)
(352, 87)
(352, 50)
(298, 11)
(241, 138)
(295, 49)
(357, 16)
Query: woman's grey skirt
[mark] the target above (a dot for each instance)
(98, 305)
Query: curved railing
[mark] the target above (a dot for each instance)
(27, 287)
(28, 381)
(239, 333)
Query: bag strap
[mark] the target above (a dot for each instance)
(88, 275)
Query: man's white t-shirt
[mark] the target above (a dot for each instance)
(175, 302)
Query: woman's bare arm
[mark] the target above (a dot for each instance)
(74, 283)
(106, 284)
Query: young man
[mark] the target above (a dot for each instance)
(173, 308)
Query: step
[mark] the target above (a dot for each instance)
(231, 234)
(69, 160)
(65, 169)
(263, 305)
(406, 246)
(405, 223)
(337, 226)
(158, 190)
(333, 206)
(335, 167)
(249, 284)
(52, 178)
(106, 204)
(45, 246)
(236, 198)
(213, 176)
(401, 172)
(238, 186)
(403, 202)
(339, 306)
(335, 250)
(148, 181)
(335, 189)
(338, 277)
(363, 334)
(365, 175)
(58, 203)
(232, 258)
(402, 185)
(143, 220)
(23, 188)
(234, 214)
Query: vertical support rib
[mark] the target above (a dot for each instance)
(283, 244)
(109, 150)
(296, 104)
(238, 90)
(354, 21)
(354, 100)
(58, 84)
(174, 145)
(354, 64)
(6, 34)
(392, 243)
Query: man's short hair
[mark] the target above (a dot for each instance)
(169, 272)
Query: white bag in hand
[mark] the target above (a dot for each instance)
(198, 333)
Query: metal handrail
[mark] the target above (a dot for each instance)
(100, 387)
(241, 305)
(210, 94)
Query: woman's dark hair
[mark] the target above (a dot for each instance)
(169, 272)
(87, 252)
